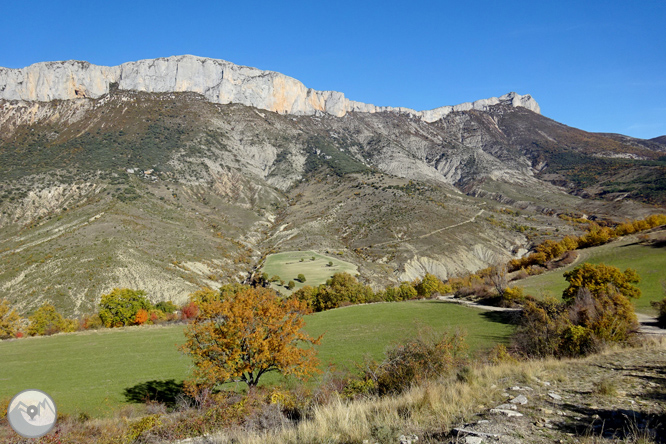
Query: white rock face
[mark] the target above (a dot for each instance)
(218, 80)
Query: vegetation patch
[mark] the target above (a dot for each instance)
(648, 260)
(289, 264)
(90, 371)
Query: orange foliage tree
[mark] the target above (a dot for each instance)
(243, 335)
(141, 317)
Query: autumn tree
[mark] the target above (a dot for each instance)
(431, 284)
(46, 321)
(141, 317)
(120, 307)
(499, 279)
(596, 311)
(598, 278)
(9, 320)
(244, 335)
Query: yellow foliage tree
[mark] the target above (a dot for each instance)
(598, 278)
(46, 321)
(243, 335)
(9, 320)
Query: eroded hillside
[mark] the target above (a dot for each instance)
(168, 192)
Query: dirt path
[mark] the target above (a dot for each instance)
(398, 241)
(648, 323)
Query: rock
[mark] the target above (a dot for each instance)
(555, 396)
(506, 407)
(217, 80)
(506, 412)
(408, 439)
(520, 399)
(473, 440)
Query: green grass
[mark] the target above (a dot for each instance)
(352, 332)
(89, 371)
(648, 261)
(288, 266)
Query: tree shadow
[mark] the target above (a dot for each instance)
(502, 317)
(658, 243)
(165, 391)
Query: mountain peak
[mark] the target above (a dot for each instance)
(217, 80)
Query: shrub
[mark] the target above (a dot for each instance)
(422, 358)
(120, 307)
(166, 307)
(430, 285)
(599, 278)
(301, 278)
(577, 327)
(91, 322)
(47, 321)
(512, 296)
(540, 326)
(189, 310)
(9, 320)
(141, 317)
(291, 285)
(342, 289)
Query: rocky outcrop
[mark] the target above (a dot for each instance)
(218, 80)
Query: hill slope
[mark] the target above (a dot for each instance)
(169, 191)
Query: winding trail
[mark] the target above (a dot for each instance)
(398, 241)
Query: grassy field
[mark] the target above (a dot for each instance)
(288, 266)
(89, 371)
(649, 261)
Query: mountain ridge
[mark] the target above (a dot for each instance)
(171, 192)
(218, 80)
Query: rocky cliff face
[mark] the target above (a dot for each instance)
(218, 80)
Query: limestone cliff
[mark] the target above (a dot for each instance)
(218, 80)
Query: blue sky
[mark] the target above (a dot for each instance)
(595, 65)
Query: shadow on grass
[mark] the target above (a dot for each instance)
(165, 392)
(658, 243)
(502, 317)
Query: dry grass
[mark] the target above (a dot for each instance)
(427, 410)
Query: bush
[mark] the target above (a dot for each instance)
(430, 285)
(47, 321)
(601, 279)
(9, 320)
(141, 317)
(166, 307)
(91, 322)
(512, 296)
(577, 327)
(189, 311)
(425, 357)
(121, 306)
(301, 278)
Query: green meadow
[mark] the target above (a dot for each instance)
(289, 264)
(89, 371)
(648, 261)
